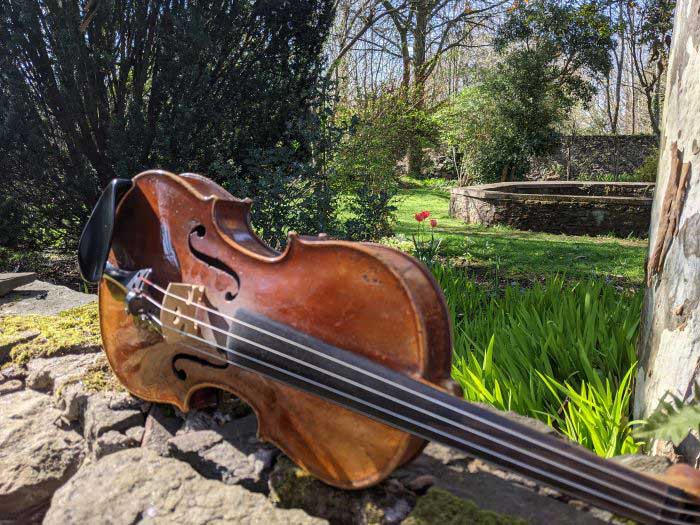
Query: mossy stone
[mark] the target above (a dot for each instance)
(71, 331)
(439, 507)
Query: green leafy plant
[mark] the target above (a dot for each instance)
(561, 352)
(364, 168)
(596, 416)
(673, 419)
(549, 53)
(647, 171)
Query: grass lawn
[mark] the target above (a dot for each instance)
(505, 253)
(558, 344)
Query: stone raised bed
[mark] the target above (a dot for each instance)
(573, 208)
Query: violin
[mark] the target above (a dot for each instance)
(342, 349)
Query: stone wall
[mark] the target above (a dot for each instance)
(592, 156)
(541, 206)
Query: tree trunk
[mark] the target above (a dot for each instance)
(669, 346)
(422, 10)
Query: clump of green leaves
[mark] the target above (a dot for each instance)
(596, 415)
(673, 419)
(561, 352)
(647, 171)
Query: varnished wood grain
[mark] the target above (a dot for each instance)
(361, 297)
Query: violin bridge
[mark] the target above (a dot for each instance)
(180, 312)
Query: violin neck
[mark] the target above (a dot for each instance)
(393, 398)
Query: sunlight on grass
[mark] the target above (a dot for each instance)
(515, 254)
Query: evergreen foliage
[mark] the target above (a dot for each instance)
(673, 419)
(230, 89)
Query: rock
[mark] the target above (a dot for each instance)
(111, 442)
(439, 506)
(43, 299)
(291, 487)
(135, 433)
(100, 418)
(36, 457)
(689, 448)
(421, 483)
(13, 372)
(10, 386)
(491, 488)
(10, 281)
(71, 400)
(161, 425)
(644, 463)
(50, 374)
(534, 424)
(126, 401)
(9, 341)
(138, 485)
(233, 454)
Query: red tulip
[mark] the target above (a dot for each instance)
(433, 223)
(419, 217)
(425, 214)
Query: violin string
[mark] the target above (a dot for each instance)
(450, 422)
(483, 449)
(581, 460)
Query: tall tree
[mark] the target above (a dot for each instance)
(106, 89)
(669, 347)
(613, 81)
(649, 24)
(423, 31)
(407, 39)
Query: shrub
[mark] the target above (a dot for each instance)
(549, 55)
(365, 164)
(647, 171)
(228, 89)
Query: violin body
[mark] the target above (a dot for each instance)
(342, 349)
(365, 298)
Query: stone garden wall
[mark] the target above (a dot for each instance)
(592, 156)
(580, 208)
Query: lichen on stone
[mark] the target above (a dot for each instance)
(71, 331)
(439, 507)
(100, 377)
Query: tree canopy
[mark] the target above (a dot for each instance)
(225, 88)
(548, 56)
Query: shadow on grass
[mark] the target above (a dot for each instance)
(516, 253)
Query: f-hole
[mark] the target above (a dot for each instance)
(200, 231)
(182, 375)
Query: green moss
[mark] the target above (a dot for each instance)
(439, 507)
(293, 487)
(68, 332)
(100, 377)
